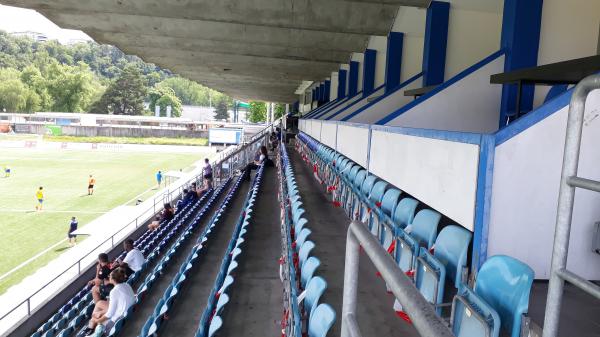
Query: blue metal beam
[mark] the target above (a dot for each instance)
(520, 39)
(393, 63)
(436, 40)
(369, 71)
(353, 79)
(342, 83)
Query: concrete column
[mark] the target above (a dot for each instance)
(436, 40)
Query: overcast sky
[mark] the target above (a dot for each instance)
(14, 19)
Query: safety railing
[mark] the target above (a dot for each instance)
(569, 181)
(421, 312)
(223, 166)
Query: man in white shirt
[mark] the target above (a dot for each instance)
(134, 260)
(120, 299)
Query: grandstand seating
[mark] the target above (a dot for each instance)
(164, 304)
(433, 259)
(153, 241)
(318, 317)
(211, 320)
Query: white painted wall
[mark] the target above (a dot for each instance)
(472, 104)
(385, 106)
(333, 86)
(525, 193)
(360, 58)
(569, 30)
(379, 43)
(474, 31)
(411, 22)
(448, 171)
(342, 105)
(328, 133)
(412, 57)
(353, 142)
(346, 67)
(359, 105)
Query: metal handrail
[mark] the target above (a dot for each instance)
(236, 151)
(564, 215)
(421, 312)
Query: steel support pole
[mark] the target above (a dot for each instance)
(566, 197)
(350, 282)
(421, 312)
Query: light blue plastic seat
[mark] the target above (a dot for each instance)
(423, 233)
(226, 283)
(315, 288)
(214, 326)
(308, 270)
(505, 283)
(304, 252)
(321, 321)
(234, 254)
(405, 212)
(385, 212)
(297, 214)
(304, 233)
(374, 203)
(448, 262)
(221, 302)
(472, 316)
(232, 266)
(299, 226)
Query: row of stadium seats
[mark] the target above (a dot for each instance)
(79, 308)
(162, 307)
(435, 261)
(320, 317)
(156, 272)
(220, 295)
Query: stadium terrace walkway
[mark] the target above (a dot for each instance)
(145, 309)
(187, 309)
(329, 225)
(256, 298)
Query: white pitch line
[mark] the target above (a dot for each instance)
(23, 264)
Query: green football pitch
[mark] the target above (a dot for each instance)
(121, 178)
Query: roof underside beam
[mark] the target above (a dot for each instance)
(259, 49)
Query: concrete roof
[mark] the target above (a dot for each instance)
(250, 49)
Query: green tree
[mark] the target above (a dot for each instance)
(163, 97)
(221, 112)
(279, 110)
(39, 98)
(12, 96)
(72, 87)
(257, 112)
(124, 96)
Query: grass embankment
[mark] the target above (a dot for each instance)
(129, 140)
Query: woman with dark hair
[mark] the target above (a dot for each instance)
(263, 156)
(107, 312)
